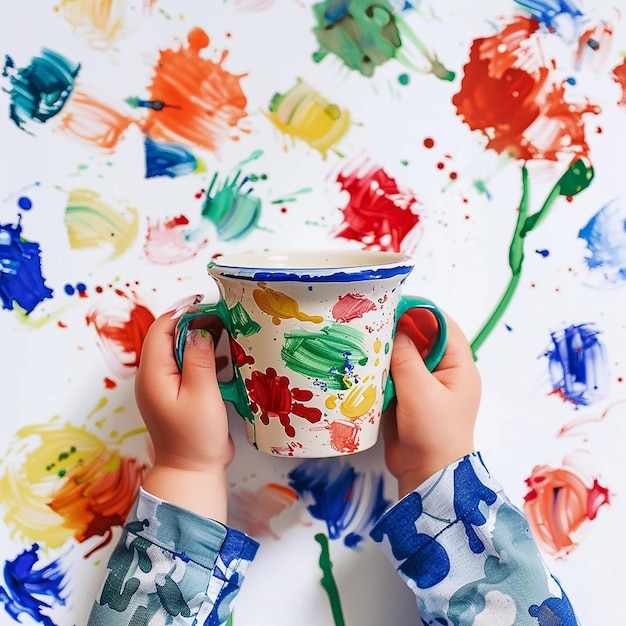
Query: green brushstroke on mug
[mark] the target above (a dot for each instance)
(321, 355)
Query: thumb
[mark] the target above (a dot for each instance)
(199, 373)
(407, 365)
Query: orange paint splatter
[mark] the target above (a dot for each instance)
(344, 436)
(97, 495)
(559, 504)
(109, 383)
(94, 121)
(203, 103)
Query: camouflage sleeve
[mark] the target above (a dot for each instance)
(172, 566)
(467, 553)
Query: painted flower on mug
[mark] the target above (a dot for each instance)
(272, 397)
(519, 104)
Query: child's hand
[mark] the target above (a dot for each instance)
(432, 422)
(187, 421)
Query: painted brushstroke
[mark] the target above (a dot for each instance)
(232, 207)
(328, 355)
(619, 76)
(93, 222)
(95, 120)
(169, 159)
(560, 504)
(564, 17)
(64, 482)
(96, 495)
(508, 93)
(279, 306)
(203, 104)
(21, 282)
(605, 236)
(362, 35)
(352, 306)
(578, 365)
(347, 501)
(379, 214)
(167, 241)
(40, 90)
(366, 35)
(272, 397)
(32, 587)
(305, 114)
(253, 511)
(99, 22)
(121, 322)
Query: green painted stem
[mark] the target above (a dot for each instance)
(525, 224)
(328, 580)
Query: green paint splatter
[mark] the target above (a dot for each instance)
(404, 79)
(320, 355)
(328, 580)
(241, 322)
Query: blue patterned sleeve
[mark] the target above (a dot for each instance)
(172, 566)
(467, 553)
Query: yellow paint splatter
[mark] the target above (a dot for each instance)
(377, 346)
(35, 465)
(331, 402)
(92, 223)
(97, 19)
(281, 306)
(303, 113)
(358, 401)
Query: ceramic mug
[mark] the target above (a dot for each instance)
(310, 339)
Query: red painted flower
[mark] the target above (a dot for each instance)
(516, 102)
(559, 504)
(271, 396)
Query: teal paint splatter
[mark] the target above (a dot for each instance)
(40, 90)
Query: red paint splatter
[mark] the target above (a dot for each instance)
(121, 323)
(429, 142)
(240, 358)
(109, 383)
(168, 241)
(97, 495)
(558, 505)
(271, 396)
(352, 306)
(619, 76)
(61, 324)
(379, 214)
(344, 436)
(508, 94)
(204, 103)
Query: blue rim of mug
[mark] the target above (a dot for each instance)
(364, 265)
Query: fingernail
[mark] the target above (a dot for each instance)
(200, 338)
(401, 340)
(178, 308)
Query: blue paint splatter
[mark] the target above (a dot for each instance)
(168, 159)
(605, 234)
(26, 586)
(40, 90)
(543, 253)
(25, 203)
(563, 17)
(347, 501)
(21, 280)
(578, 365)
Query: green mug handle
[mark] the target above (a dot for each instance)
(232, 390)
(433, 358)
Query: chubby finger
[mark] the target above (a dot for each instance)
(458, 352)
(199, 372)
(407, 365)
(157, 353)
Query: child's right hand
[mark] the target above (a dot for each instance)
(431, 424)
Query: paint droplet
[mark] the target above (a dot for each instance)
(429, 142)
(404, 79)
(69, 290)
(543, 253)
(404, 162)
(453, 175)
(283, 209)
(25, 203)
(440, 165)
